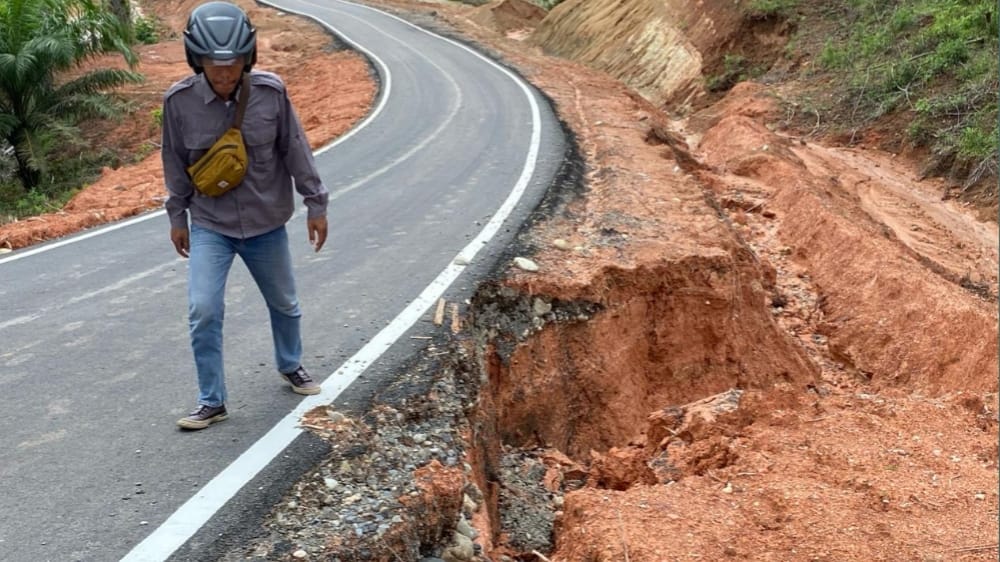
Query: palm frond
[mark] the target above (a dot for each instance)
(94, 30)
(8, 64)
(98, 81)
(34, 148)
(7, 124)
(64, 133)
(20, 20)
(39, 120)
(85, 106)
(54, 52)
(39, 39)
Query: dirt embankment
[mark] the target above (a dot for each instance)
(738, 345)
(898, 395)
(642, 43)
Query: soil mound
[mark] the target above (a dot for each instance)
(506, 16)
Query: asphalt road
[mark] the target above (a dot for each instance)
(95, 365)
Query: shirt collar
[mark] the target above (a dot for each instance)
(205, 89)
(208, 94)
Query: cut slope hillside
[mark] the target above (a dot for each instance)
(640, 42)
(662, 49)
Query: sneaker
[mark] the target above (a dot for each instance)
(203, 417)
(301, 382)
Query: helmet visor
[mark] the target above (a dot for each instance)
(207, 61)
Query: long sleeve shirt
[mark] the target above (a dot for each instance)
(280, 159)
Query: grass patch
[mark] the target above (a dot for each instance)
(935, 60)
(64, 179)
(147, 30)
(767, 9)
(735, 68)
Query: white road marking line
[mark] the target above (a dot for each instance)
(117, 287)
(336, 194)
(195, 512)
(103, 230)
(19, 320)
(419, 146)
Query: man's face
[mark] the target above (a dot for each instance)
(223, 77)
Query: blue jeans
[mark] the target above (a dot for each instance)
(269, 261)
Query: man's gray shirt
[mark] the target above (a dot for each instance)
(194, 118)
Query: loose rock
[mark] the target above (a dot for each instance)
(464, 528)
(526, 264)
(461, 549)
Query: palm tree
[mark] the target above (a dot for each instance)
(121, 9)
(40, 40)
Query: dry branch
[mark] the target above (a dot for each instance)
(439, 313)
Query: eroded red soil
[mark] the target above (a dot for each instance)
(722, 253)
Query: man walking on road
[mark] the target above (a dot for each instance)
(245, 216)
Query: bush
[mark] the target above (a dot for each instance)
(734, 68)
(834, 57)
(765, 9)
(147, 30)
(547, 4)
(936, 58)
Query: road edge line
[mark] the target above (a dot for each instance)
(177, 529)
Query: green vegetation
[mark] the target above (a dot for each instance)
(734, 69)
(547, 4)
(44, 95)
(146, 30)
(764, 9)
(157, 116)
(935, 60)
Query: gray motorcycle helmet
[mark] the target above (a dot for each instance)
(219, 31)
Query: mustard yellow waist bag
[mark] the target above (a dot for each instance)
(222, 168)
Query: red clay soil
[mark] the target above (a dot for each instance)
(854, 309)
(723, 253)
(890, 454)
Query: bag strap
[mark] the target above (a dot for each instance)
(241, 104)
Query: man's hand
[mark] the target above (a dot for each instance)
(317, 232)
(182, 240)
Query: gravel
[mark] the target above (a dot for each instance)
(396, 485)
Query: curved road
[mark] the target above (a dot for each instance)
(95, 365)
